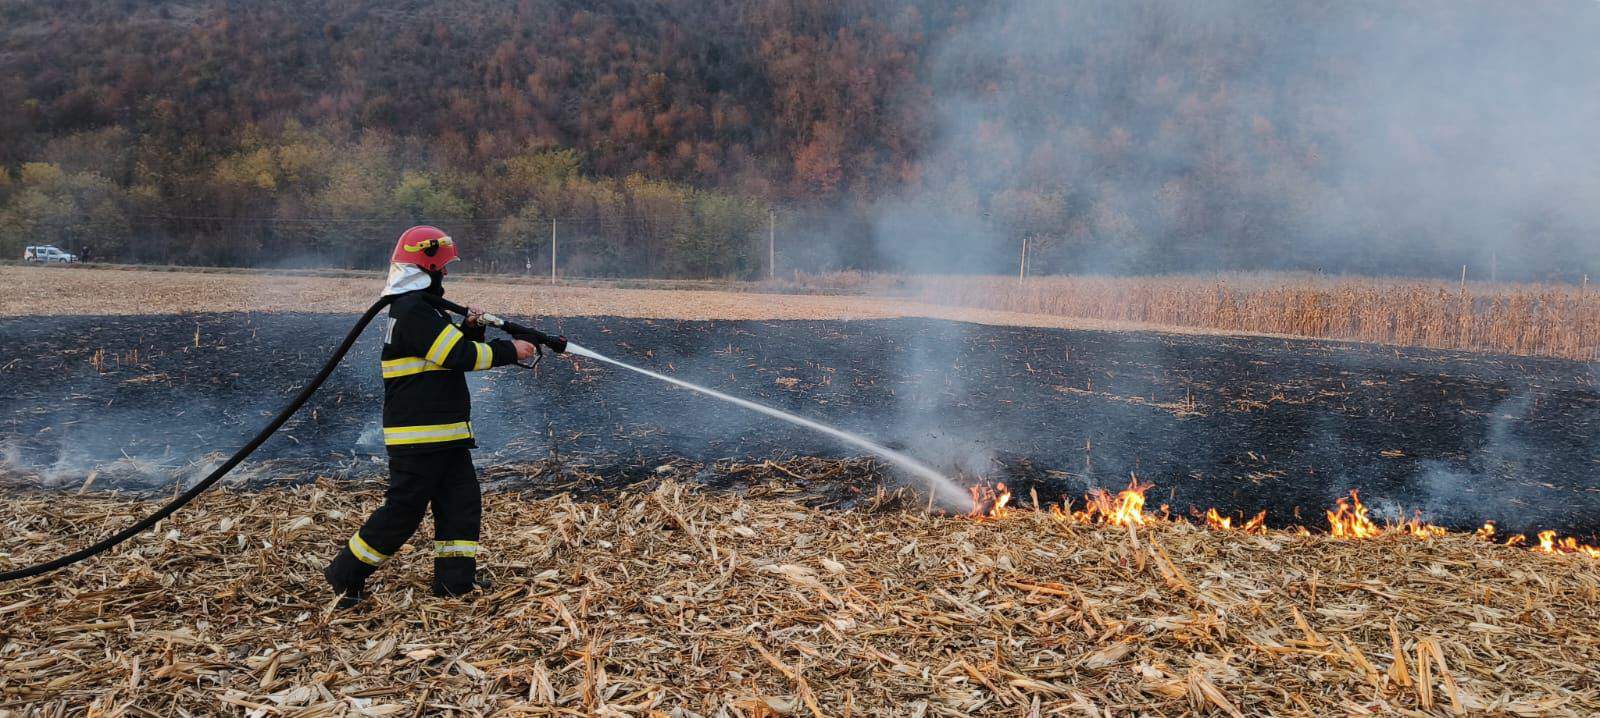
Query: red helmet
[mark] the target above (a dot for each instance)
(426, 247)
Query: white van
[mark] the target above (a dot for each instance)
(46, 254)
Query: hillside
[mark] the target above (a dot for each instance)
(930, 135)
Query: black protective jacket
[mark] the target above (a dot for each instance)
(426, 406)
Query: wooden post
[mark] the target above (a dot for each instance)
(1022, 268)
(555, 454)
(1583, 318)
(552, 250)
(772, 245)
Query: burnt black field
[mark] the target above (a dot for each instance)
(1241, 424)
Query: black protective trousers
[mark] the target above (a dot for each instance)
(444, 480)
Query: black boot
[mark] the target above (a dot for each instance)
(480, 582)
(350, 591)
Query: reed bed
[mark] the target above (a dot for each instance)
(1526, 319)
(668, 602)
(1555, 320)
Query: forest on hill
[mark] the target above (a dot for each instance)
(661, 138)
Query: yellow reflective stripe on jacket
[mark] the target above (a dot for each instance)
(406, 366)
(455, 549)
(430, 434)
(485, 357)
(365, 551)
(442, 344)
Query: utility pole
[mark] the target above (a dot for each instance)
(552, 250)
(772, 245)
(1583, 319)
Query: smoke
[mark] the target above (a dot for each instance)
(1160, 135)
(172, 397)
(1479, 491)
(930, 380)
(72, 465)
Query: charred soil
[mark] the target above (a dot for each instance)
(1239, 424)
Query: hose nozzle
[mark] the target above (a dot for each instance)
(557, 344)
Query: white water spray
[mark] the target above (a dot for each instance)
(946, 491)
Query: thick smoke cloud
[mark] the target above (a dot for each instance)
(1160, 135)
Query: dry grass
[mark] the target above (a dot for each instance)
(1529, 319)
(28, 291)
(669, 603)
(80, 290)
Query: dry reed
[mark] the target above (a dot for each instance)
(1556, 320)
(1527, 319)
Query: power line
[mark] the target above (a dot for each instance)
(570, 219)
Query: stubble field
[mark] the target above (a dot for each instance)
(655, 552)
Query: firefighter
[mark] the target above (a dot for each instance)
(427, 426)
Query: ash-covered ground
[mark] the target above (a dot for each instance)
(1240, 424)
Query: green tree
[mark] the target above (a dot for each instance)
(49, 206)
(721, 241)
(662, 211)
(522, 241)
(422, 196)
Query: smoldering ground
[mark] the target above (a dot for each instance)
(1156, 136)
(1242, 424)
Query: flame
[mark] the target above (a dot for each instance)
(1548, 543)
(1129, 508)
(1256, 525)
(989, 503)
(1348, 522)
(1423, 530)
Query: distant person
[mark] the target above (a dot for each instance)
(427, 426)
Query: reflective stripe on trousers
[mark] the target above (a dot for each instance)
(365, 552)
(455, 549)
(428, 434)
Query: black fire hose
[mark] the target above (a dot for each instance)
(557, 344)
(245, 451)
